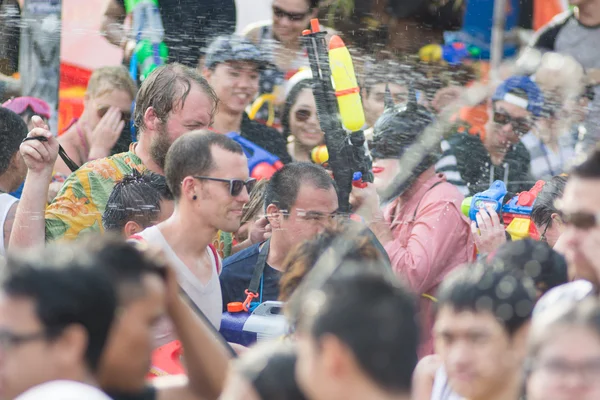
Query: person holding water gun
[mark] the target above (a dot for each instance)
(421, 227)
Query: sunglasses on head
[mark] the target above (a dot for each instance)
(279, 13)
(302, 115)
(581, 220)
(19, 105)
(125, 116)
(521, 126)
(235, 185)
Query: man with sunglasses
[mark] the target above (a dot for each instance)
(232, 67)
(476, 161)
(580, 214)
(300, 201)
(209, 178)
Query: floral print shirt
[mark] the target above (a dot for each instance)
(77, 209)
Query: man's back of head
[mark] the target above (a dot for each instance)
(57, 308)
(12, 132)
(481, 327)
(357, 346)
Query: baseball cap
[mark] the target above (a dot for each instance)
(233, 48)
(534, 101)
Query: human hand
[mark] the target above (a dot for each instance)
(490, 235)
(106, 133)
(365, 202)
(39, 154)
(260, 230)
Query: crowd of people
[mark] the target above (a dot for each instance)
(141, 228)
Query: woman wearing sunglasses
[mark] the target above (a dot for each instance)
(279, 39)
(299, 118)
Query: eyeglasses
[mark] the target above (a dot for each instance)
(318, 216)
(125, 116)
(9, 340)
(588, 370)
(302, 115)
(521, 126)
(19, 105)
(279, 13)
(581, 220)
(235, 185)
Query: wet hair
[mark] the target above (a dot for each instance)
(135, 198)
(68, 287)
(536, 260)
(544, 205)
(166, 89)
(191, 154)
(256, 203)
(300, 261)
(290, 101)
(374, 319)
(285, 184)
(388, 71)
(506, 293)
(12, 132)
(270, 369)
(590, 167)
(585, 313)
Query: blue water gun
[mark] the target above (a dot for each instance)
(494, 196)
(261, 163)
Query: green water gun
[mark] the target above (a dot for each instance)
(150, 50)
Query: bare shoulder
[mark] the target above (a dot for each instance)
(428, 366)
(173, 387)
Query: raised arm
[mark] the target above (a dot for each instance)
(39, 155)
(113, 27)
(206, 357)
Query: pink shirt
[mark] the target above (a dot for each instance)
(429, 243)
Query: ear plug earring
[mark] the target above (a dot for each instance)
(195, 197)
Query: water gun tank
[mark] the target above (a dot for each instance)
(493, 196)
(517, 213)
(261, 163)
(265, 322)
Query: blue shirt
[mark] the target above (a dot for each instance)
(237, 273)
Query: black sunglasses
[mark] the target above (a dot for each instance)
(279, 13)
(521, 126)
(302, 115)
(235, 185)
(581, 220)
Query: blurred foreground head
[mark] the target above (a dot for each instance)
(564, 352)
(267, 371)
(56, 310)
(357, 337)
(481, 329)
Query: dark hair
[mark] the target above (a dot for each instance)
(126, 264)
(68, 288)
(166, 89)
(313, 4)
(284, 185)
(191, 154)
(256, 203)
(536, 260)
(544, 205)
(137, 198)
(590, 167)
(388, 71)
(303, 258)
(290, 100)
(12, 132)
(375, 319)
(270, 368)
(506, 293)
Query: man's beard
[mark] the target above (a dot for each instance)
(160, 146)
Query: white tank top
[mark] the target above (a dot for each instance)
(207, 297)
(6, 202)
(441, 387)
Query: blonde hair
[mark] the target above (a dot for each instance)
(106, 79)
